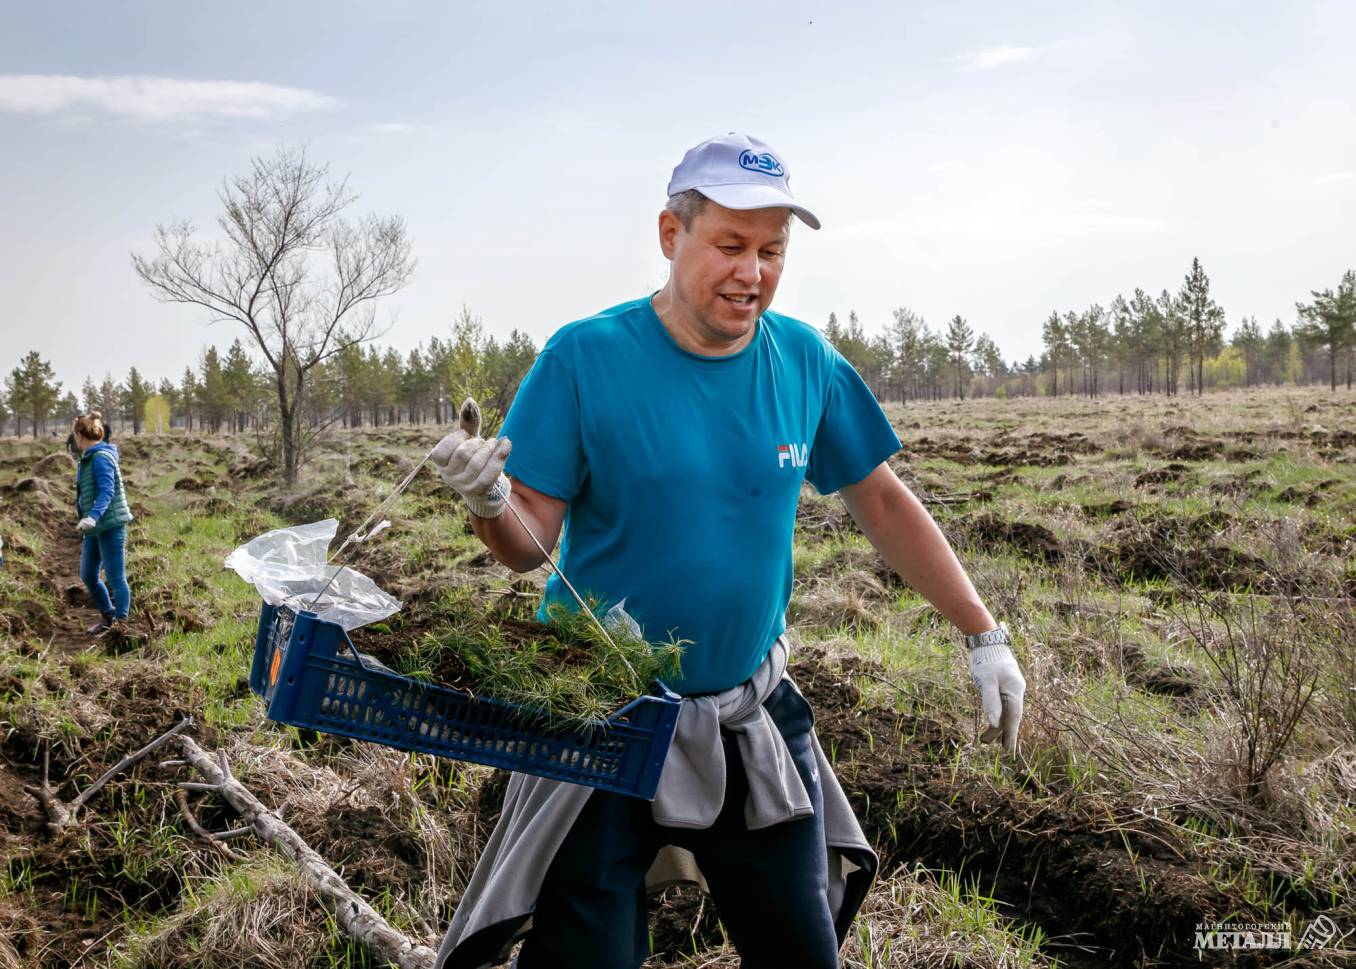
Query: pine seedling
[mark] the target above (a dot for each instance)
(565, 666)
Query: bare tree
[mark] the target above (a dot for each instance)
(301, 279)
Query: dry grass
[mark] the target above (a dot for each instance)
(429, 803)
(260, 915)
(917, 918)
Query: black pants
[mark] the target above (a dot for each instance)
(768, 885)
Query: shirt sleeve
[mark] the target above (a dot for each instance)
(543, 424)
(854, 435)
(104, 481)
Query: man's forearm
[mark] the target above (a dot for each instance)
(506, 538)
(909, 540)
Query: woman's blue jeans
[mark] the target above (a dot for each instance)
(107, 549)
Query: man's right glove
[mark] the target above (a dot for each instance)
(473, 465)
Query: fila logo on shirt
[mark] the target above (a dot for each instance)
(797, 454)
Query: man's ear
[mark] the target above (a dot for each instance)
(669, 227)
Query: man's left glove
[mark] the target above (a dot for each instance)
(473, 465)
(85, 524)
(1001, 685)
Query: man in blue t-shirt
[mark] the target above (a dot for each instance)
(669, 437)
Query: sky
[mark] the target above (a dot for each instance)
(993, 160)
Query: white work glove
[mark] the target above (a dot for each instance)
(473, 465)
(85, 524)
(1001, 690)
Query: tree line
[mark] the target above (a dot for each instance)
(1145, 344)
(231, 392)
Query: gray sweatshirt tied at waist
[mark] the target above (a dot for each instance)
(538, 813)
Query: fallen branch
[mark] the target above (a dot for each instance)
(215, 840)
(358, 919)
(61, 814)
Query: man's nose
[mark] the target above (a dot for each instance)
(748, 269)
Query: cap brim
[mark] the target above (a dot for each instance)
(744, 196)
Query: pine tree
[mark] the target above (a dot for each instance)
(188, 396)
(89, 396)
(1329, 323)
(33, 391)
(391, 367)
(960, 339)
(170, 393)
(1094, 334)
(1276, 352)
(1173, 338)
(137, 392)
(1121, 342)
(414, 386)
(350, 376)
(987, 359)
(213, 400)
(1147, 337)
(506, 365)
(1056, 336)
(880, 355)
(68, 409)
(906, 333)
(110, 402)
(16, 395)
(238, 385)
(1248, 339)
(856, 349)
(435, 360)
(1204, 320)
(464, 363)
(938, 363)
(833, 331)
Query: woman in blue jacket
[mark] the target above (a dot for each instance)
(104, 514)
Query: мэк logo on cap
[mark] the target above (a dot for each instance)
(764, 163)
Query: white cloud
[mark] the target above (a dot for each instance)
(990, 57)
(391, 128)
(154, 98)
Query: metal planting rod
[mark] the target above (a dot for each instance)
(469, 419)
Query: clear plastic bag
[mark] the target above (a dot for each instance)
(619, 619)
(287, 567)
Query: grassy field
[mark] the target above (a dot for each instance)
(1178, 574)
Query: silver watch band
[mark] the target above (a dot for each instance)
(990, 637)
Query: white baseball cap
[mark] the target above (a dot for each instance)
(739, 172)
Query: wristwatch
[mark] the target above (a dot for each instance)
(990, 637)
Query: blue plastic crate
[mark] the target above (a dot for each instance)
(310, 675)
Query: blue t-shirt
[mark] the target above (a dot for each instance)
(683, 472)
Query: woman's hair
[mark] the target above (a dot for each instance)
(91, 426)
